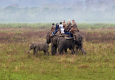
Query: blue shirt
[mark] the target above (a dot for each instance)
(57, 27)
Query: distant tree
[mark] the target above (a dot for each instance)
(11, 9)
(113, 7)
(46, 9)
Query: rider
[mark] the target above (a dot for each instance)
(61, 27)
(56, 29)
(69, 24)
(53, 27)
(67, 30)
(75, 25)
(64, 24)
(74, 28)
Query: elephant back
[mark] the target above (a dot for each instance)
(66, 36)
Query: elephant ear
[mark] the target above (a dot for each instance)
(48, 39)
(33, 44)
(75, 36)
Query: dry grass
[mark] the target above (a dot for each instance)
(17, 64)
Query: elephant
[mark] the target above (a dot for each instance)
(79, 42)
(53, 41)
(41, 46)
(63, 44)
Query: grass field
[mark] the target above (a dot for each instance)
(16, 64)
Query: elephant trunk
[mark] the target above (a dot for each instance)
(29, 48)
(83, 51)
(29, 51)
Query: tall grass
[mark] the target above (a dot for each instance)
(80, 25)
(19, 25)
(17, 64)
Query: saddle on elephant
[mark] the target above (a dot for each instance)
(66, 36)
(76, 36)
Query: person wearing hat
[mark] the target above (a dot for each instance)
(74, 28)
(75, 25)
(64, 25)
(53, 27)
(69, 24)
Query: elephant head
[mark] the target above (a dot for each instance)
(79, 42)
(48, 38)
(31, 46)
(78, 37)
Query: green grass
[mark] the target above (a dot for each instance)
(24, 25)
(16, 64)
(43, 25)
(95, 25)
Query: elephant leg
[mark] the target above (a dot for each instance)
(83, 51)
(55, 49)
(65, 50)
(72, 51)
(44, 52)
(60, 51)
(76, 51)
(29, 51)
(47, 53)
(52, 50)
(34, 51)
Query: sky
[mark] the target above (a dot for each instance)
(82, 10)
(38, 3)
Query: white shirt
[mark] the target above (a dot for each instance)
(61, 28)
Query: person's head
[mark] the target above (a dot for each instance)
(52, 23)
(64, 21)
(56, 23)
(68, 20)
(60, 22)
(73, 21)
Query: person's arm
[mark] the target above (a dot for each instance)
(59, 27)
(74, 24)
(67, 24)
(51, 28)
(70, 30)
(77, 28)
(65, 30)
(56, 28)
(70, 24)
